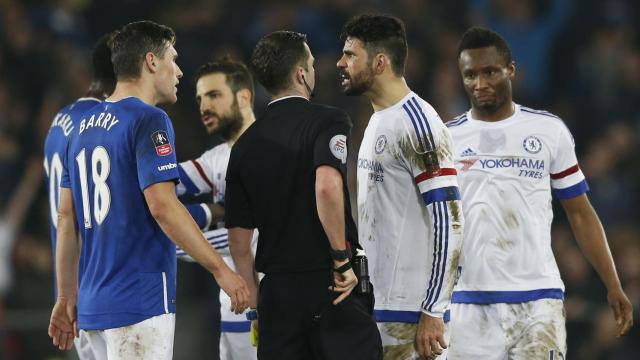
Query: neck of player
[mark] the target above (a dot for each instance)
(248, 118)
(504, 111)
(136, 88)
(387, 91)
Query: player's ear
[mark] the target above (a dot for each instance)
(379, 63)
(511, 70)
(243, 97)
(150, 62)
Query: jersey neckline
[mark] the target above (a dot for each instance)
(514, 117)
(396, 105)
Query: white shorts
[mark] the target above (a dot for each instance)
(531, 330)
(398, 341)
(151, 339)
(234, 335)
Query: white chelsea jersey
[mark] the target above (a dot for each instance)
(207, 174)
(410, 219)
(506, 170)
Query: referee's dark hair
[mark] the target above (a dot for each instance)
(237, 75)
(380, 34)
(101, 65)
(130, 44)
(479, 37)
(275, 57)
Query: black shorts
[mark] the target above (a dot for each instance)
(297, 320)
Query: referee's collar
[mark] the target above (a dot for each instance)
(287, 97)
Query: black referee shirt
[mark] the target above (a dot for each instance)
(271, 183)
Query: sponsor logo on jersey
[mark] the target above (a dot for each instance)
(532, 144)
(519, 163)
(528, 167)
(168, 166)
(161, 142)
(381, 143)
(468, 152)
(467, 164)
(338, 147)
(376, 171)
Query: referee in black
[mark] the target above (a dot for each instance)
(287, 178)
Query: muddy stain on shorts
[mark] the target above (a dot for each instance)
(404, 333)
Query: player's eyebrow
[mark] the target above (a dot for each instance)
(348, 52)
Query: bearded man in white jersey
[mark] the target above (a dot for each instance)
(409, 212)
(508, 302)
(224, 93)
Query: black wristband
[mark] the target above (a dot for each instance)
(339, 255)
(343, 268)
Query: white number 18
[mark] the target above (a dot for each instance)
(100, 167)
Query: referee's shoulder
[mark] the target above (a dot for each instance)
(331, 113)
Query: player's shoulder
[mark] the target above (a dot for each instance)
(543, 119)
(540, 115)
(136, 106)
(218, 150)
(458, 121)
(414, 112)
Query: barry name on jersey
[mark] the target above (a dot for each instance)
(105, 120)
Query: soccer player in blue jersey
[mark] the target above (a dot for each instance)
(59, 134)
(119, 175)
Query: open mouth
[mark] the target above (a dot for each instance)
(344, 79)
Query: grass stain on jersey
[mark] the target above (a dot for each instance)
(454, 207)
(511, 221)
(410, 153)
(504, 244)
(453, 265)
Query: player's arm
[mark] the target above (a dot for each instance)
(62, 325)
(196, 175)
(180, 227)
(201, 214)
(240, 248)
(592, 240)
(218, 239)
(431, 166)
(569, 185)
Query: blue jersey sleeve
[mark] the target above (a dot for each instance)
(155, 150)
(65, 179)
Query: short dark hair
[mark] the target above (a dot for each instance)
(237, 75)
(101, 64)
(275, 56)
(479, 37)
(380, 33)
(130, 44)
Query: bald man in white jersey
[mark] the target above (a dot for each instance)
(508, 302)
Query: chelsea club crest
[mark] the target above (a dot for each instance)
(532, 144)
(381, 143)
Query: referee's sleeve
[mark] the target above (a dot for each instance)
(330, 146)
(237, 212)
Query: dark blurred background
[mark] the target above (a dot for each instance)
(577, 59)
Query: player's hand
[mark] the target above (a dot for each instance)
(430, 337)
(343, 282)
(622, 310)
(235, 286)
(62, 326)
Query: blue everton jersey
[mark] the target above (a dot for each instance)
(128, 264)
(55, 146)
